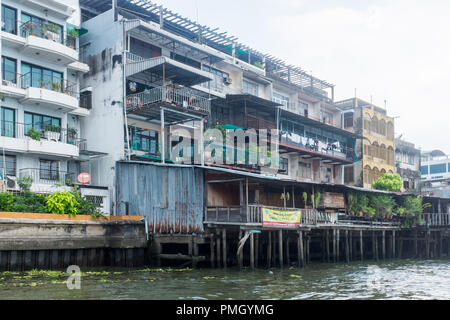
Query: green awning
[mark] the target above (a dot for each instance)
(80, 31)
(232, 127)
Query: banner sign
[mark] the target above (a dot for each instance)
(281, 218)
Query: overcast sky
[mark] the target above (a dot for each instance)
(393, 50)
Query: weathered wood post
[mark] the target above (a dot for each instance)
(256, 250)
(224, 247)
(427, 250)
(280, 247)
(393, 243)
(252, 251)
(361, 245)
(211, 248)
(327, 241)
(300, 253)
(269, 249)
(416, 240)
(347, 247)
(337, 245)
(383, 244)
(218, 246)
(374, 250)
(334, 245)
(350, 232)
(441, 249)
(308, 249)
(287, 249)
(241, 254)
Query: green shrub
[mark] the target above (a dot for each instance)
(28, 202)
(383, 204)
(389, 182)
(25, 183)
(86, 207)
(35, 135)
(62, 202)
(6, 201)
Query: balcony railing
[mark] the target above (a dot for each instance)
(334, 149)
(49, 31)
(436, 219)
(48, 177)
(183, 97)
(37, 80)
(50, 133)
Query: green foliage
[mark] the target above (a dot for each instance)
(383, 204)
(62, 202)
(6, 201)
(361, 203)
(305, 197)
(35, 135)
(388, 182)
(28, 202)
(52, 128)
(73, 33)
(258, 65)
(317, 199)
(25, 183)
(86, 207)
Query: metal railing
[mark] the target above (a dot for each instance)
(49, 31)
(436, 219)
(41, 131)
(37, 80)
(183, 97)
(48, 177)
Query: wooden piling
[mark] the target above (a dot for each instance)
(337, 245)
(218, 247)
(301, 261)
(361, 245)
(269, 249)
(256, 250)
(427, 243)
(400, 249)
(416, 241)
(347, 247)
(393, 243)
(252, 251)
(224, 247)
(374, 251)
(334, 245)
(327, 241)
(383, 244)
(280, 247)
(351, 244)
(308, 249)
(241, 254)
(288, 261)
(211, 249)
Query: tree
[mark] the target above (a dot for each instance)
(389, 182)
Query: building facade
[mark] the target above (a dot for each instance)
(154, 76)
(435, 170)
(41, 110)
(375, 151)
(407, 164)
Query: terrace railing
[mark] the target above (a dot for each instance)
(183, 97)
(48, 177)
(436, 219)
(37, 80)
(49, 31)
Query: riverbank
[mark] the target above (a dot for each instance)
(392, 279)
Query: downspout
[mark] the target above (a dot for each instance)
(124, 89)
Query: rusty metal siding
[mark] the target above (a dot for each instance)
(170, 197)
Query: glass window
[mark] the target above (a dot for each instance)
(33, 76)
(250, 88)
(438, 168)
(9, 69)
(48, 169)
(39, 122)
(8, 125)
(284, 165)
(278, 98)
(31, 25)
(10, 165)
(216, 83)
(9, 20)
(304, 170)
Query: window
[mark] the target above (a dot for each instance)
(37, 77)
(424, 170)
(144, 49)
(326, 117)
(9, 20)
(250, 88)
(9, 69)
(185, 60)
(48, 170)
(39, 122)
(304, 170)
(41, 28)
(284, 166)
(278, 98)
(216, 83)
(10, 165)
(438, 168)
(8, 122)
(348, 120)
(303, 107)
(348, 174)
(144, 140)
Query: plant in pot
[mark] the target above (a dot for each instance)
(52, 31)
(71, 135)
(56, 86)
(35, 135)
(52, 132)
(72, 35)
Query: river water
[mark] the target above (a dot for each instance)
(399, 279)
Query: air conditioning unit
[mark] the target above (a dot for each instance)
(227, 80)
(11, 183)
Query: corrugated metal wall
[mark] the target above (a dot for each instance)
(170, 197)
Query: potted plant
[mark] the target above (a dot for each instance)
(42, 84)
(71, 135)
(52, 132)
(35, 135)
(72, 35)
(52, 32)
(56, 86)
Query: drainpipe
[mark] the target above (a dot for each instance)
(124, 89)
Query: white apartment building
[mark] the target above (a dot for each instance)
(435, 171)
(41, 111)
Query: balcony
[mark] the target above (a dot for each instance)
(47, 181)
(147, 103)
(60, 94)
(15, 137)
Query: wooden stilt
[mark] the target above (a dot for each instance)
(334, 245)
(195, 257)
(252, 251)
(374, 252)
(241, 254)
(383, 244)
(416, 240)
(219, 265)
(280, 247)
(393, 244)
(301, 262)
(308, 249)
(327, 241)
(269, 249)
(224, 247)
(400, 249)
(288, 261)
(337, 245)
(211, 248)
(256, 250)
(351, 244)
(377, 254)
(427, 249)
(347, 247)
(361, 245)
